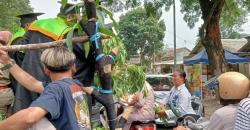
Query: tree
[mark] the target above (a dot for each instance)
(231, 28)
(142, 33)
(231, 13)
(10, 9)
(211, 11)
(120, 5)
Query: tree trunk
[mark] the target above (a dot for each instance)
(214, 48)
(210, 35)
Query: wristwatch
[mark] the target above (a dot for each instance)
(8, 65)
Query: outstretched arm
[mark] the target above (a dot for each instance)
(20, 75)
(23, 119)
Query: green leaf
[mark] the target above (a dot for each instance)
(69, 38)
(107, 32)
(110, 14)
(100, 17)
(64, 2)
(86, 48)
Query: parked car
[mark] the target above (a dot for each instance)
(160, 82)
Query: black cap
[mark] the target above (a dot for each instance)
(68, 9)
(28, 18)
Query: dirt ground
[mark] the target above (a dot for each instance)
(210, 104)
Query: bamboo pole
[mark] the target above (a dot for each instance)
(37, 46)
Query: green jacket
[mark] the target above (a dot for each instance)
(20, 33)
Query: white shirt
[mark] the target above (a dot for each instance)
(179, 101)
(223, 118)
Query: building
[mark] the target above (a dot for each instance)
(165, 63)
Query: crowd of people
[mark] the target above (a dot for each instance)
(53, 88)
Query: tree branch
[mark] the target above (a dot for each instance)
(37, 46)
(208, 19)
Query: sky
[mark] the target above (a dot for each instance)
(185, 37)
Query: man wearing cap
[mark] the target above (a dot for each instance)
(25, 21)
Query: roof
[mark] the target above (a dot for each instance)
(134, 59)
(246, 47)
(169, 62)
(232, 45)
(158, 75)
(170, 53)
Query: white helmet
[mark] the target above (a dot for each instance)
(233, 86)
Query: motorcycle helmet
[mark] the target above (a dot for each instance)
(233, 86)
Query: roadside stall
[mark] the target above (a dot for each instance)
(197, 70)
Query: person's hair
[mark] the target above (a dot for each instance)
(181, 74)
(225, 102)
(58, 59)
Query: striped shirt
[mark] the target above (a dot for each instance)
(243, 115)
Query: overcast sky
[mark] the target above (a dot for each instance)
(185, 37)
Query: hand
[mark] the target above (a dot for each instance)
(4, 57)
(124, 100)
(127, 112)
(115, 50)
(134, 99)
(88, 90)
(180, 128)
(162, 113)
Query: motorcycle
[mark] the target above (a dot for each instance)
(136, 125)
(186, 119)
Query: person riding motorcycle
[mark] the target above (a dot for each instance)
(233, 87)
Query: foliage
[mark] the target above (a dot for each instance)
(109, 44)
(231, 27)
(232, 33)
(234, 11)
(233, 15)
(9, 10)
(70, 36)
(120, 5)
(142, 34)
(128, 80)
(159, 109)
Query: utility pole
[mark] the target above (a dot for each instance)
(174, 35)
